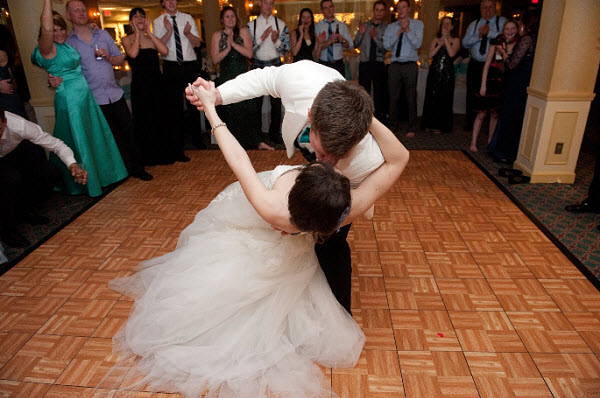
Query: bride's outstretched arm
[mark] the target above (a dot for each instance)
(381, 180)
(270, 205)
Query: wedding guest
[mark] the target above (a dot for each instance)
(98, 54)
(79, 122)
(372, 71)
(518, 66)
(147, 90)
(304, 40)
(403, 37)
(477, 39)
(178, 31)
(26, 176)
(231, 48)
(271, 41)
(333, 37)
(9, 98)
(490, 96)
(439, 95)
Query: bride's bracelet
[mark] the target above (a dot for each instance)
(212, 130)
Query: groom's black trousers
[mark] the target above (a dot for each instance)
(334, 256)
(335, 261)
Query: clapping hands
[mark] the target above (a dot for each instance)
(168, 25)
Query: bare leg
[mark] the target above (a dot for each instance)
(493, 124)
(476, 129)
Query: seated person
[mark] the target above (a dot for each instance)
(26, 175)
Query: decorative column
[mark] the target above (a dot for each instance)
(240, 8)
(25, 16)
(212, 23)
(561, 89)
(429, 15)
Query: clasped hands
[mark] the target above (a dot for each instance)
(203, 93)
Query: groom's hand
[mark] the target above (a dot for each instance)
(193, 98)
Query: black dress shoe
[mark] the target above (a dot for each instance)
(142, 175)
(584, 207)
(14, 239)
(35, 219)
(598, 227)
(506, 172)
(182, 158)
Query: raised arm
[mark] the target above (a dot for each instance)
(268, 204)
(381, 180)
(46, 40)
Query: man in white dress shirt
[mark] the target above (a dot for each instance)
(403, 38)
(333, 37)
(26, 176)
(271, 41)
(179, 33)
(326, 117)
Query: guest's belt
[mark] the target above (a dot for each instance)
(179, 63)
(332, 62)
(269, 62)
(404, 63)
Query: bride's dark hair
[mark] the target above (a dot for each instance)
(320, 200)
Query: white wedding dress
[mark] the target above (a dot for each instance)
(237, 310)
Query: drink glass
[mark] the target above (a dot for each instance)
(98, 57)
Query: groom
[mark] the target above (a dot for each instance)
(328, 122)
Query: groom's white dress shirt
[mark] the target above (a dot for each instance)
(297, 85)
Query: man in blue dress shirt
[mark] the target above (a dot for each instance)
(403, 38)
(477, 40)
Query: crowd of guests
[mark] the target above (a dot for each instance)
(108, 142)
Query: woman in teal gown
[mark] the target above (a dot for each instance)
(79, 121)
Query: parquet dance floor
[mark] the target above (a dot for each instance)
(458, 292)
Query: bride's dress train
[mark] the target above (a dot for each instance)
(237, 310)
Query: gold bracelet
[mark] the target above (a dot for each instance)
(212, 131)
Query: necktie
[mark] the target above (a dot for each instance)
(483, 45)
(329, 48)
(373, 49)
(399, 46)
(304, 136)
(178, 49)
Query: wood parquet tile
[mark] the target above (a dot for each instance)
(458, 292)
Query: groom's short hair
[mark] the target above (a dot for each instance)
(341, 115)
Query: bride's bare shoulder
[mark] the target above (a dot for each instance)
(286, 180)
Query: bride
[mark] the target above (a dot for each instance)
(241, 309)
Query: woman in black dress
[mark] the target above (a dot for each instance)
(304, 41)
(439, 96)
(147, 93)
(518, 66)
(491, 93)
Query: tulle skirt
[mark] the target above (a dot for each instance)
(237, 310)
